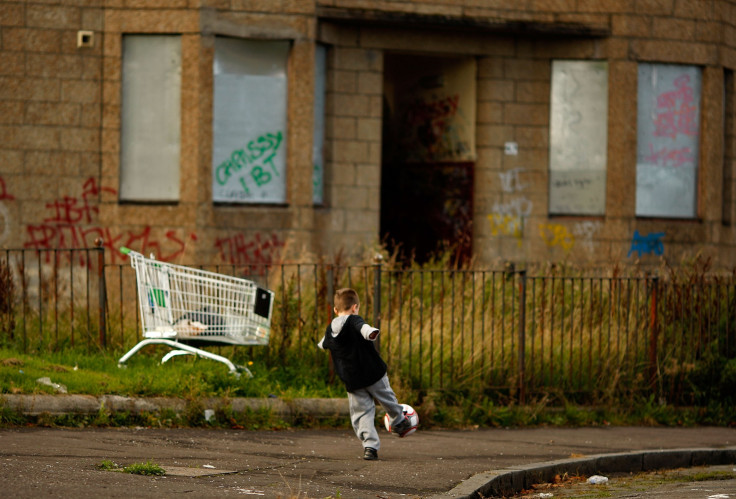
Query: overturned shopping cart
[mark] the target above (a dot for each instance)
(188, 308)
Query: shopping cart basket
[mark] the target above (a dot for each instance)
(187, 308)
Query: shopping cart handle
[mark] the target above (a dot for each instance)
(124, 250)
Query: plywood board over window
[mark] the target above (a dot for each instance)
(249, 121)
(668, 135)
(150, 118)
(578, 138)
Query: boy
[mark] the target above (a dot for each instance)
(361, 368)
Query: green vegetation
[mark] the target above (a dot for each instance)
(107, 465)
(702, 476)
(144, 376)
(611, 349)
(195, 379)
(147, 468)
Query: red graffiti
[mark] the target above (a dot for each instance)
(676, 111)
(71, 226)
(4, 191)
(144, 241)
(422, 112)
(239, 250)
(430, 130)
(670, 157)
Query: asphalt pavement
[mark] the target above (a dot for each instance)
(55, 462)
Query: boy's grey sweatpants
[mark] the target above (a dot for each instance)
(363, 410)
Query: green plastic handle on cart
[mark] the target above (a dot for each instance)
(125, 250)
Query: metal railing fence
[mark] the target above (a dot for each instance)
(491, 330)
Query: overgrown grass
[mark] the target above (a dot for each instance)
(624, 348)
(144, 376)
(197, 379)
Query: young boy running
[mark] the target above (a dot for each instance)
(361, 368)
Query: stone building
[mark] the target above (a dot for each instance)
(249, 131)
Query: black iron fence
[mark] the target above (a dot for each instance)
(520, 332)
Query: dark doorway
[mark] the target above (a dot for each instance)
(428, 156)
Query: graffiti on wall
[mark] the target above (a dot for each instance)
(556, 235)
(4, 212)
(511, 180)
(584, 232)
(647, 245)
(71, 223)
(507, 218)
(675, 158)
(255, 250)
(506, 225)
(675, 114)
(257, 158)
(432, 130)
(676, 111)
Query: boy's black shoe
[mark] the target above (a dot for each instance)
(401, 428)
(370, 454)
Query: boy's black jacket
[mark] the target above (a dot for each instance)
(356, 360)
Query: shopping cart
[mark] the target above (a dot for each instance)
(187, 308)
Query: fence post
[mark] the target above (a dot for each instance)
(653, 331)
(522, 336)
(377, 298)
(330, 299)
(102, 291)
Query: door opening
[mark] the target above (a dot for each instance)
(428, 156)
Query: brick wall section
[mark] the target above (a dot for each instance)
(60, 124)
(353, 157)
(49, 122)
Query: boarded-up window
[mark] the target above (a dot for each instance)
(249, 121)
(668, 130)
(320, 79)
(578, 138)
(150, 118)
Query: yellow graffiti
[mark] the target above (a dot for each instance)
(557, 235)
(506, 225)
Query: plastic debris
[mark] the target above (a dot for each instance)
(208, 466)
(545, 494)
(56, 386)
(209, 414)
(598, 479)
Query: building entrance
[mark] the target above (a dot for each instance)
(428, 155)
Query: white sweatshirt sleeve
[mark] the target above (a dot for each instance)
(370, 333)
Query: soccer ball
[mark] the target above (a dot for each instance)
(410, 414)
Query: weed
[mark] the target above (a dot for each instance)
(703, 476)
(147, 468)
(107, 465)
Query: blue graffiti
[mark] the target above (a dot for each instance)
(645, 245)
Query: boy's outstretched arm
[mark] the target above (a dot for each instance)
(369, 332)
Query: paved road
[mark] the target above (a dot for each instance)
(305, 463)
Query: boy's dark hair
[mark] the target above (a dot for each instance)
(345, 298)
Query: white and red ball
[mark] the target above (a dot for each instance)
(410, 414)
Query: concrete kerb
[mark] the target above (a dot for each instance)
(511, 481)
(37, 404)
